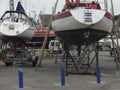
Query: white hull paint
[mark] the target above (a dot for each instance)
(11, 30)
(77, 21)
(82, 26)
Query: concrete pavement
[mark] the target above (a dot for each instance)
(47, 77)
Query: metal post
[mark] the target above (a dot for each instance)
(88, 56)
(20, 75)
(62, 77)
(116, 58)
(96, 51)
(97, 66)
(66, 64)
(98, 74)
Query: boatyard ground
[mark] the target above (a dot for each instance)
(47, 77)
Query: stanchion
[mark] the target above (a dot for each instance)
(20, 75)
(98, 75)
(62, 77)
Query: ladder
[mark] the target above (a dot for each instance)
(88, 15)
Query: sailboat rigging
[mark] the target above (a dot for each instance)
(16, 26)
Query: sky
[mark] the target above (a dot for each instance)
(35, 6)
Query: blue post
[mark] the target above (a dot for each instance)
(62, 77)
(98, 75)
(20, 75)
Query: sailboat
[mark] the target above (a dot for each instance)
(16, 26)
(80, 23)
(39, 35)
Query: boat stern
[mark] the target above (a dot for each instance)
(12, 28)
(93, 18)
(88, 16)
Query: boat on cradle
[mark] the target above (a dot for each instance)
(80, 23)
(16, 26)
(39, 35)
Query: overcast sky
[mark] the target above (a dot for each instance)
(45, 5)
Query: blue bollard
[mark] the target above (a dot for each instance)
(98, 75)
(20, 75)
(62, 77)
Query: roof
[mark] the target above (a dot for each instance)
(45, 19)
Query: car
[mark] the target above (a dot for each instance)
(54, 45)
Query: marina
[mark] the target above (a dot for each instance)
(77, 48)
(47, 77)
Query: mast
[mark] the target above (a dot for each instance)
(106, 5)
(11, 2)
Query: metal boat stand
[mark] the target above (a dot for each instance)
(80, 64)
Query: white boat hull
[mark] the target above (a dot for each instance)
(71, 26)
(13, 31)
